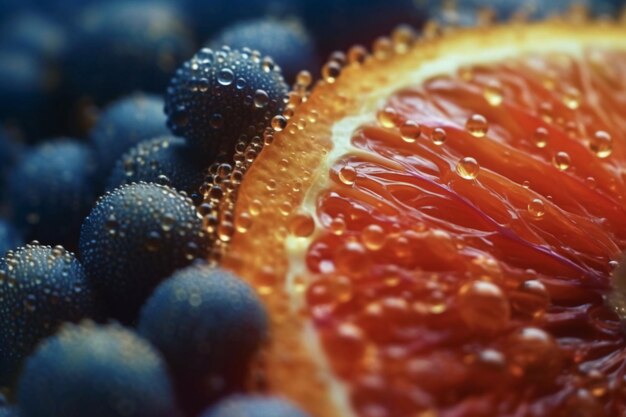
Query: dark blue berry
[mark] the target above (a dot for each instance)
(135, 237)
(167, 160)
(208, 324)
(10, 237)
(123, 125)
(10, 151)
(95, 371)
(254, 406)
(220, 98)
(51, 189)
(286, 41)
(41, 288)
(34, 33)
(9, 411)
(124, 46)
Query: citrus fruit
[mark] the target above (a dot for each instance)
(434, 226)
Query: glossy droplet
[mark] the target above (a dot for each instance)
(468, 168)
(225, 76)
(261, 99)
(337, 226)
(304, 78)
(410, 131)
(531, 298)
(438, 136)
(601, 144)
(562, 161)
(302, 225)
(493, 94)
(541, 137)
(536, 208)
(373, 237)
(331, 71)
(243, 222)
(347, 175)
(352, 259)
(483, 307)
(387, 117)
(279, 123)
(477, 125)
(571, 98)
(534, 354)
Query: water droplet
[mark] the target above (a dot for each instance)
(304, 79)
(302, 225)
(225, 76)
(153, 241)
(541, 137)
(493, 93)
(534, 354)
(562, 160)
(279, 123)
(243, 222)
(536, 208)
(261, 99)
(337, 226)
(438, 136)
(216, 121)
(531, 298)
(483, 306)
(468, 168)
(331, 71)
(601, 144)
(571, 98)
(410, 131)
(388, 117)
(477, 125)
(347, 175)
(373, 237)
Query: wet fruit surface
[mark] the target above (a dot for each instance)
(467, 276)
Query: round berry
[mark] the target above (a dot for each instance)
(34, 33)
(95, 371)
(51, 189)
(253, 406)
(124, 124)
(124, 46)
(220, 98)
(167, 160)
(41, 288)
(135, 237)
(208, 324)
(286, 41)
(10, 237)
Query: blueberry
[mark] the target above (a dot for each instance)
(254, 406)
(208, 324)
(220, 98)
(10, 237)
(10, 151)
(25, 83)
(286, 41)
(167, 160)
(34, 33)
(339, 24)
(123, 125)
(9, 411)
(124, 46)
(51, 189)
(135, 237)
(95, 371)
(211, 16)
(41, 288)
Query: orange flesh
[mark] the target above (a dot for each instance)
(437, 295)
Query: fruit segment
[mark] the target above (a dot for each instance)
(467, 241)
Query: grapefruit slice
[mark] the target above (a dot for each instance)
(433, 228)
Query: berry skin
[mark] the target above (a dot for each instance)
(286, 41)
(95, 371)
(253, 406)
(41, 288)
(124, 46)
(208, 324)
(135, 237)
(219, 98)
(51, 189)
(124, 124)
(167, 160)
(10, 237)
